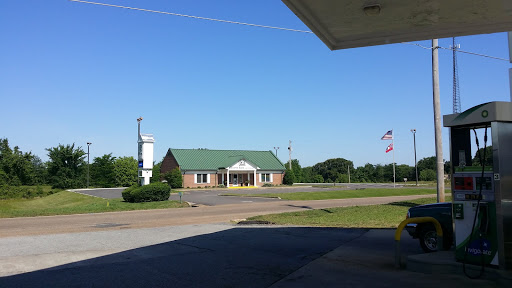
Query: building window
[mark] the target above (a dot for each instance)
(201, 178)
(265, 177)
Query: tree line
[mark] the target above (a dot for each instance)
(338, 170)
(67, 168)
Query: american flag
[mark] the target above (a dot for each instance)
(388, 135)
(390, 147)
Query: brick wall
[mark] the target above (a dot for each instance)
(168, 164)
(188, 181)
(277, 179)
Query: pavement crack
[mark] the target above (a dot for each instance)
(193, 246)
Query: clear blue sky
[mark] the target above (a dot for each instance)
(73, 73)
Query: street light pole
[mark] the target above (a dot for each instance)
(415, 163)
(88, 144)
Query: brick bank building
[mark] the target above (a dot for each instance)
(232, 168)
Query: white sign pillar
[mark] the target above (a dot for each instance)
(145, 156)
(227, 182)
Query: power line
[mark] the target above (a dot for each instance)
(262, 26)
(476, 54)
(190, 16)
(457, 50)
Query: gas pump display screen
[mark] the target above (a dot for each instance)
(463, 183)
(487, 183)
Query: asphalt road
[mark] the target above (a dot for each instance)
(26, 226)
(210, 197)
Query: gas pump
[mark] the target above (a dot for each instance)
(482, 196)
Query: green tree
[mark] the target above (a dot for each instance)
(66, 166)
(289, 177)
(480, 153)
(156, 173)
(125, 171)
(342, 178)
(427, 175)
(318, 179)
(447, 167)
(308, 175)
(40, 171)
(296, 170)
(365, 173)
(102, 171)
(329, 169)
(174, 178)
(404, 171)
(427, 163)
(16, 166)
(379, 174)
(388, 173)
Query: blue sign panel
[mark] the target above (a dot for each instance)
(140, 164)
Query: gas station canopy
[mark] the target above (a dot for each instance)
(344, 24)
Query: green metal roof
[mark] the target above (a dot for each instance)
(206, 159)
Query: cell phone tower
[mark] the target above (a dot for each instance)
(456, 89)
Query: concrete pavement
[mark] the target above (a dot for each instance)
(368, 262)
(218, 255)
(213, 255)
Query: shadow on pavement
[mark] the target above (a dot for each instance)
(403, 204)
(238, 257)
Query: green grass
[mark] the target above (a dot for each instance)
(342, 194)
(374, 216)
(64, 202)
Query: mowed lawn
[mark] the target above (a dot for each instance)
(343, 194)
(373, 216)
(65, 202)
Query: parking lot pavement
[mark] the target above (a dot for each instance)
(210, 197)
(368, 262)
(106, 193)
(216, 255)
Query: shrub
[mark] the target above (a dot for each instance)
(174, 178)
(289, 177)
(267, 185)
(127, 193)
(148, 193)
(428, 175)
(318, 179)
(222, 186)
(17, 192)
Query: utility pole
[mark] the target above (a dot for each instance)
(348, 170)
(415, 163)
(437, 121)
(88, 144)
(290, 154)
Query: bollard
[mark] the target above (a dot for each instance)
(417, 220)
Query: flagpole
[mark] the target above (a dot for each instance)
(393, 144)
